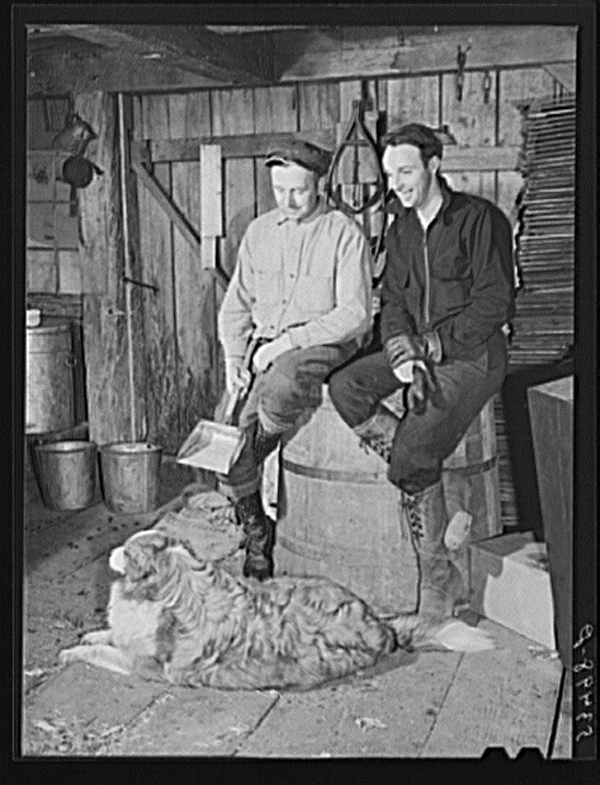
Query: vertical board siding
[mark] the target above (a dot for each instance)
(104, 322)
(159, 309)
(471, 120)
(193, 286)
(234, 113)
(413, 99)
(265, 200)
(349, 92)
(514, 86)
(319, 106)
(275, 109)
(473, 124)
(239, 206)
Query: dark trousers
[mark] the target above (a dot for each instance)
(278, 398)
(422, 441)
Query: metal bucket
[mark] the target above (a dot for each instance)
(49, 372)
(129, 474)
(66, 474)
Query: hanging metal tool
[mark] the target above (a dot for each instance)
(356, 136)
(487, 86)
(77, 170)
(461, 61)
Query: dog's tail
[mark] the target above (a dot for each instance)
(416, 632)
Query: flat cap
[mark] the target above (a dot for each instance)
(315, 159)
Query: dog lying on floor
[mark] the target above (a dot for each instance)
(196, 624)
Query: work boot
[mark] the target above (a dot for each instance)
(259, 532)
(440, 582)
(264, 443)
(377, 433)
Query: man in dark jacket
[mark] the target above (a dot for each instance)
(447, 298)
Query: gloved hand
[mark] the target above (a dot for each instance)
(421, 387)
(401, 348)
(265, 354)
(236, 376)
(405, 371)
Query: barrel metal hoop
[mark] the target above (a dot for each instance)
(333, 475)
(306, 551)
(475, 468)
(321, 552)
(368, 478)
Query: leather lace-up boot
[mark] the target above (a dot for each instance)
(440, 582)
(377, 433)
(264, 443)
(259, 535)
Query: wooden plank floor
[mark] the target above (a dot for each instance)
(506, 698)
(428, 705)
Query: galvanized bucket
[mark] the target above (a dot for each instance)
(66, 474)
(129, 474)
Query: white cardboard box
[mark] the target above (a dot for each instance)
(510, 585)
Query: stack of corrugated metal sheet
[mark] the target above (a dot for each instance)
(543, 326)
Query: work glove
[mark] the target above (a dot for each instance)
(402, 348)
(236, 376)
(268, 352)
(421, 388)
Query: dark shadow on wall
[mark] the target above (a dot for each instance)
(520, 440)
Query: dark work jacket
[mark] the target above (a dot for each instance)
(456, 279)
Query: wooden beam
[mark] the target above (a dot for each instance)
(456, 159)
(194, 49)
(310, 55)
(242, 146)
(480, 159)
(112, 71)
(211, 203)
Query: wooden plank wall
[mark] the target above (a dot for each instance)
(186, 376)
(50, 262)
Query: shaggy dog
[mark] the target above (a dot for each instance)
(199, 625)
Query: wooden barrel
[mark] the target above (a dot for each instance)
(471, 476)
(49, 375)
(338, 514)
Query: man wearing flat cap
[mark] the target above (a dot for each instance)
(301, 289)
